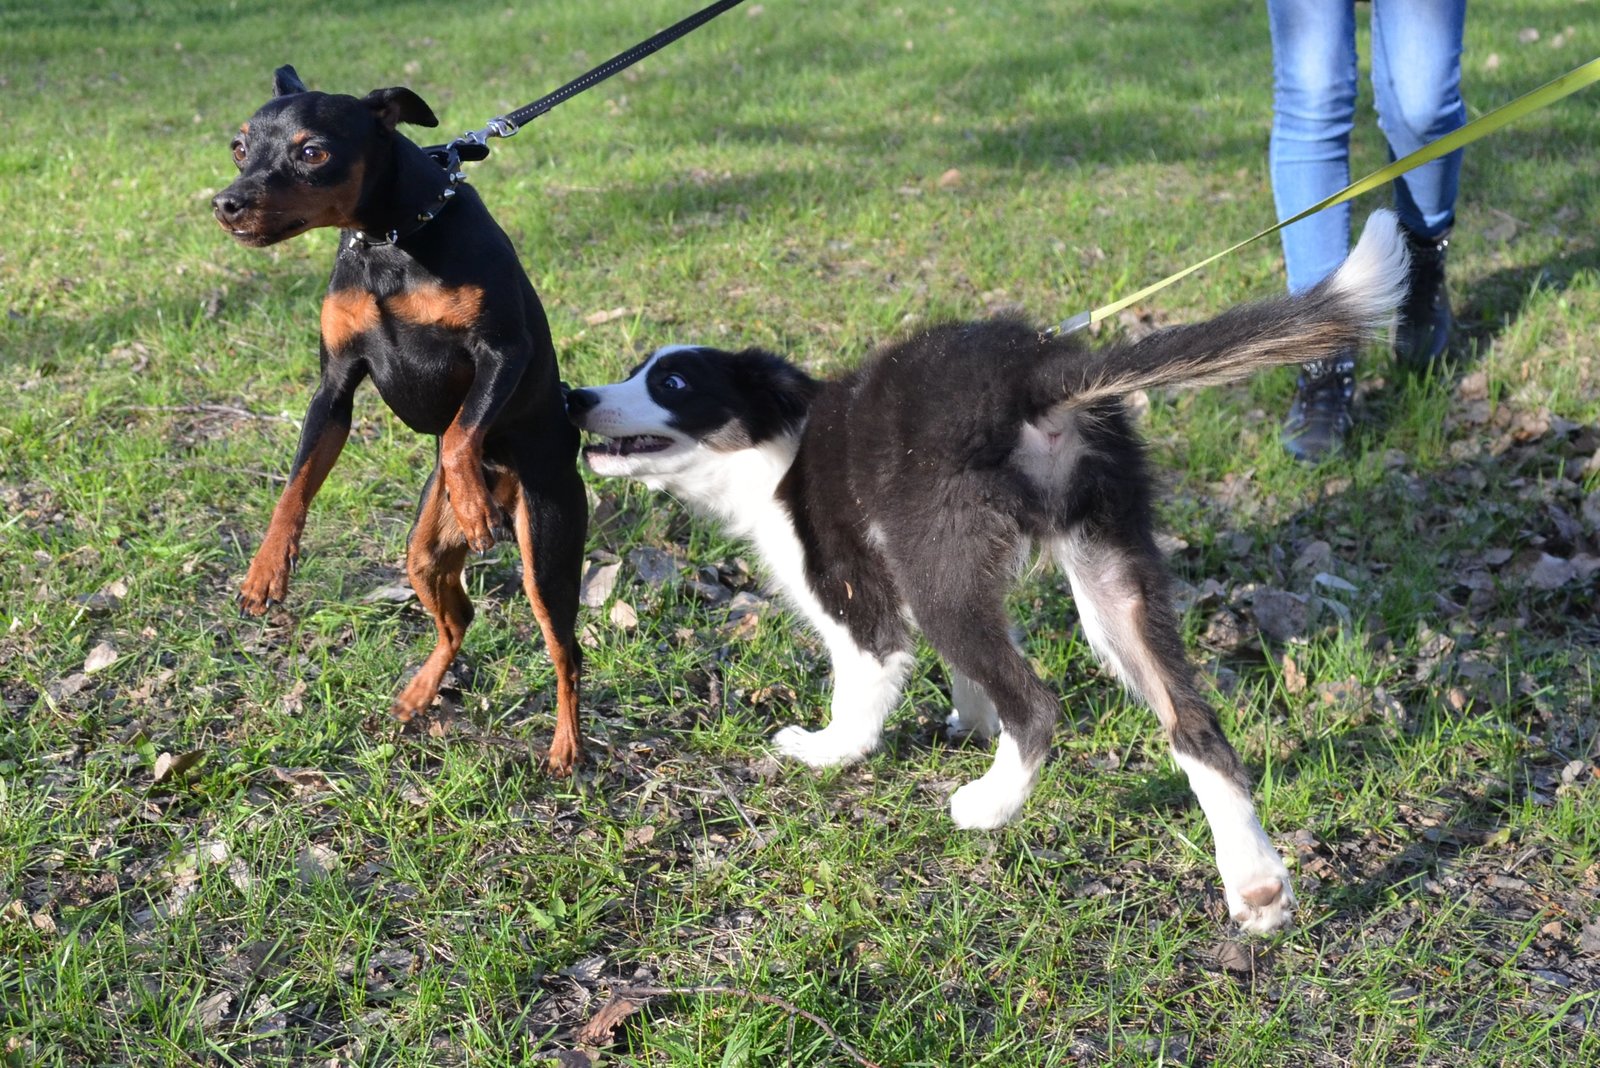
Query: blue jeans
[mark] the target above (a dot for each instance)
(1416, 80)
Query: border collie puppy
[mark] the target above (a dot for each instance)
(910, 492)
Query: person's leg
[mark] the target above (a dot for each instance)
(1313, 111)
(1416, 79)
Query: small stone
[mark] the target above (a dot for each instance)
(598, 582)
(1281, 615)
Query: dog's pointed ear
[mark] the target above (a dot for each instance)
(398, 104)
(285, 81)
(788, 390)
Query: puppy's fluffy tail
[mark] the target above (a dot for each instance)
(1341, 312)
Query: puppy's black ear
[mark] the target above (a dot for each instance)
(285, 81)
(397, 105)
(786, 390)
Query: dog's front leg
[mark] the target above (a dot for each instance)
(865, 690)
(461, 446)
(322, 438)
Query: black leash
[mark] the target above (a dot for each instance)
(474, 146)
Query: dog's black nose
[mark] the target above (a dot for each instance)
(580, 401)
(227, 207)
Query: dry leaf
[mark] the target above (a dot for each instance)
(1550, 572)
(209, 1013)
(100, 657)
(601, 317)
(1224, 631)
(597, 1032)
(1236, 957)
(173, 767)
(396, 594)
(1316, 557)
(104, 600)
(1328, 580)
(316, 862)
(652, 565)
(741, 628)
(586, 969)
(303, 780)
(1294, 681)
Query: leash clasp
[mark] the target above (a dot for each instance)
(1072, 325)
(500, 126)
(473, 145)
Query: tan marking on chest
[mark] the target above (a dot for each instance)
(455, 308)
(346, 315)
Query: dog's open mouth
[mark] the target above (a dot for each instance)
(630, 446)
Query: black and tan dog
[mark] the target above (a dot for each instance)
(442, 318)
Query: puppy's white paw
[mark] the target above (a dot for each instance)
(822, 749)
(969, 726)
(986, 803)
(972, 714)
(1260, 896)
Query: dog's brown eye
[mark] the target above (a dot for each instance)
(314, 155)
(239, 153)
(674, 382)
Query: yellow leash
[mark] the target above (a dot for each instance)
(1483, 126)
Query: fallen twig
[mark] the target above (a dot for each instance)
(629, 998)
(761, 839)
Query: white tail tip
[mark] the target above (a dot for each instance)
(1374, 276)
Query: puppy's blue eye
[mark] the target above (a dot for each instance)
(674, 381)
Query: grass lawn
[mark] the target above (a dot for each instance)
(216, 847)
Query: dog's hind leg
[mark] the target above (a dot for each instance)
(1119, 584)
(963, 616)
(972, 713)
(435, 553)
(972, 710)
(550, 516)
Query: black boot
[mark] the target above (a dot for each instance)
(1423, 334)
(1319, 417)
